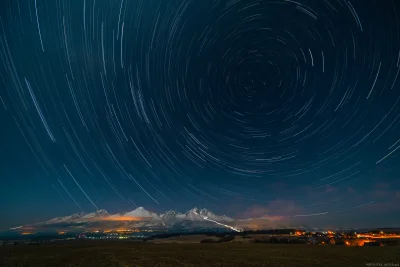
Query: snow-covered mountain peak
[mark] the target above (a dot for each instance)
(76, 215)
(141, 212)
(169, 213)
(96, 214)
(194, 211)
(140, 209)
(64, 219)
(99, 212)
(205, 212)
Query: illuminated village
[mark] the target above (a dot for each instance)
(372, 238)
(288, 236)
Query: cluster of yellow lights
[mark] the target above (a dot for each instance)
(381, 235)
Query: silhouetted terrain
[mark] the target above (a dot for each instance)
(96, 254)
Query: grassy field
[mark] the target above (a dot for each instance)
(183, 239)
(126, 253)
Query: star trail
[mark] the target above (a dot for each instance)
(262, 108)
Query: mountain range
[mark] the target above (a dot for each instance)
(139, 218)
(142, 219)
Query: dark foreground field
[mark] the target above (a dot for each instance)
(132, 254)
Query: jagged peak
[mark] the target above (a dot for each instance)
(205, 211)
(193, 210)
(76, 214)
(138, 209)
(96, 213)
(171, 212)
(101, 211)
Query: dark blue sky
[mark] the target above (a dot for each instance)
(248, 108)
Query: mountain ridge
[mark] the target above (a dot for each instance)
(140, 218)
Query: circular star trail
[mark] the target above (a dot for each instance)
(202, 102)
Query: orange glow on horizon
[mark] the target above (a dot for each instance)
(27, 233)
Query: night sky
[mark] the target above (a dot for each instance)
(267, 108)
